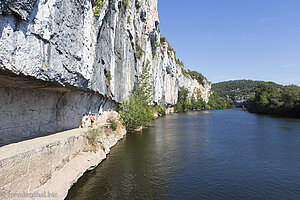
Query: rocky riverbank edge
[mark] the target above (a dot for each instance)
(47, 167)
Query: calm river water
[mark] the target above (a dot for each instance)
(215, 155)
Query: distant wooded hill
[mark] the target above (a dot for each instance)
(260, 96)
(238, 91)
(232, 89)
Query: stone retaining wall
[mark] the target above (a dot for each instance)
(51, 163)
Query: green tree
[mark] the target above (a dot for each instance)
(182, 102)
(201, 104)
(144, 87)
(238, 89)
(275, 99)
(185, 103)
(137, 111)
(217, 102)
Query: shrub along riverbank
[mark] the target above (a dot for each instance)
(137, 111)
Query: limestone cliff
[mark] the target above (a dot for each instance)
(61, 56)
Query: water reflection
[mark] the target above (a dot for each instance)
(228, 154)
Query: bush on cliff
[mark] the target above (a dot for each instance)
(139, 52)
(99, 6)
(137, 111)
(198, 76)
(125, 4)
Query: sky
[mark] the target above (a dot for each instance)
(235, 39)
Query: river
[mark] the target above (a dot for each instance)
(209, 155)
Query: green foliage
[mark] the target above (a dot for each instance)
(196, 102)
(184, 73)
(153, 55)
(193, 74)
(161, 111)
(238, 89)
(275, 99)
(198, 76)
(170, 50)
(139, 52)
(137, 112)
(179, 62)
(113, 124)
(128, 20)
(216, 102)
(163, 40)
(99, 6)
(107, 76)
(145, 84)
(235, 88)
(184, 103)
(125, 3)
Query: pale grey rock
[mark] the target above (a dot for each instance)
(63, 43)
(30, 110)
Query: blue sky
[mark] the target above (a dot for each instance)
(235, 39)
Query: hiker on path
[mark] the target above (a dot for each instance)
(92, 120)
(85, 119)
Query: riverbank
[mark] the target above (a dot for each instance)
(50, 165)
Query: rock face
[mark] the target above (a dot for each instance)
(31, 108)
(82, 55)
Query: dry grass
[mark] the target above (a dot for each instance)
(96, 135)
(93, 140)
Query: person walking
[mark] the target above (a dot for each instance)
(85, 119)
(92, 120)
